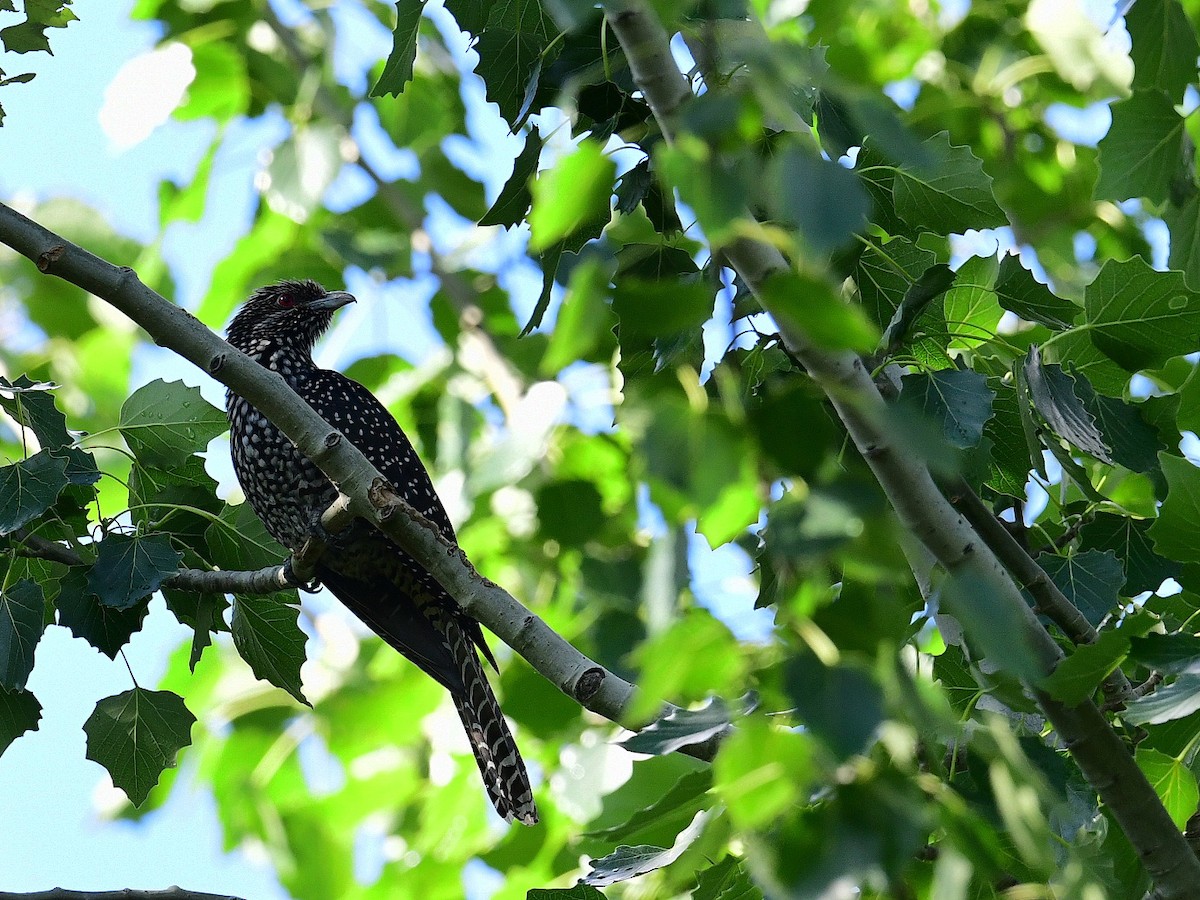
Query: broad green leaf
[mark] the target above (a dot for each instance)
(202, 613)
(1019, 292)
(1129, 539)
(629, 862)
(842, 705)
(578, 892)
(1143, 150)
(584, 328)
(695, 657)
(570, 512)
(991, 623)
(660, 308)
(105, 628)
(1055, 397)
(971, 307)
(512, 52)
(29, 488)
(933, 282)
(221, 88)
(32, 405)
(1132, 441)
(959, 401)
(726, 880)
(663, 819)
(762, 770)
(822, 200)
(680, 728)
(951, 194)
(1164, 46)
(1174, 654)
(1140, 318)
(19, 712)
(887, 272)
(573, 193)
(129, 567)
(398, 70)
(135, 735)
(1176, 531)
(164, 422)
(1010, 462)
(515, 197)
(1183, 221)
(22, 621)
(1169, 702)
(238, 540)
(301, 169)
(1091, 580)
(1173, 782)
(268, 637)
(1078, 676)
(811, 306)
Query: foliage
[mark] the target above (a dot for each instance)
(883, 744)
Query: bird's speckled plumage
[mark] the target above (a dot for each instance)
(380, 583)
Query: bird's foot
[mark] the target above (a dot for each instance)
(289, 575)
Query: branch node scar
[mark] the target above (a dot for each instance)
(50, 257)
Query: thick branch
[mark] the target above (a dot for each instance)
(1104, 760)
(370, 496)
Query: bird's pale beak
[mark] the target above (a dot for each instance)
(333, 300)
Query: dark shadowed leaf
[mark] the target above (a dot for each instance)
(578, 892)
(1164, 46)
(1174, 654)
(268, 637)
(1019, 292)
(512, 204)
(1053, 393)
(128, 567)
(398, 70)
(29, 488)
(825, 202)
(22, 621)
(950, 194)
(19, 712)
(842, 705)
(1078, 676)
(135, 735)
(1142, 151)
(238, 540)
(727, 880)
(1176, 531)
(1129, 539)
(32, 405)
(959, 401)
(1091, 580)
(679, 728)
(104, 627)
(932, 283)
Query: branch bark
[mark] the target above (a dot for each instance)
(1101, 755)
(369, 495)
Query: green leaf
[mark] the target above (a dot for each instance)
(842, 705)
(762, 771)
(578, 892)
(951, 194)
(301, 169)
(1091, 580)
(991, 623)
(105, 628)
(1169, 702)
(135, 735)
(239, 540)
(934, 282)
(1133, 442)
(584, 328)
(398, 70)
(629, 862)
(727, 880)
(1172, 780)
(1164, 46)
(512, 52)
(515, 197)
(664, 818)
(1143, 150)
(19, 712)
(571, 195)
(1145, 322)
(1183, 221)
(1174, 654)
(29, 488)
(680, 728)
(200, 612)
(165, 422)
(1129, 539)
(1078, 676)
(129, 567)
(1010, 463)
(959, 401)
(825, 202)
(268, 637)
(1019, 292)
(810, 305)
(32, 404)
(221, 88)
(22, 621)
(1054, 395)
(1176, 531)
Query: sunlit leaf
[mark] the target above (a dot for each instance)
(267, 636)
(163, 422)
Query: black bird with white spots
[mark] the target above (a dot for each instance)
(381, 584)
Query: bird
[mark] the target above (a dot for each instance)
(385, 587)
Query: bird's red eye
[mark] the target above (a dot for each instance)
(287, 301)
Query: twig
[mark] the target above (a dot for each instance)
(1101, 755)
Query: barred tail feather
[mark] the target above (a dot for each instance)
(496, 753)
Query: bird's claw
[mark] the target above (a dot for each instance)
(290, 576)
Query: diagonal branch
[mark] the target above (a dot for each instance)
(1101, 755)
(370, 496)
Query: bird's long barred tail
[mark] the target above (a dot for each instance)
(496, 752)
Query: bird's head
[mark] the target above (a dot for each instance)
(289, 314)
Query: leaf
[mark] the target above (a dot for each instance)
(1183, 222)
(584, 328)
(810, 305)
(959, 401)
(1140, 318)
(991, 623)
(1078, 676)
(32, 405)
(951, 194)
(667, 814)
(165, 422)
(398, 70)
(1010, 463)
(239, 540)
(129, 567)
(1019, 292)
(822, 200)
(727, 880)
(1169, 702)
(1164, 46)
(1091, 580)
(1173, 654)
(569, 196)
(301, 169)
(203, 613)
(629, 862)
(22, 621)
(932, 283)
(680, 728)
(842, 705)
(1129, 539)
(578, 892)
(1053, 393)
(1133, 442)
(633, 187)
(1176, 531)
(137, 734)
(762, 771)
(1173, 782)
(268, 638)
(19, 712)
(514, 199)
(1143, 149)
(29, 488)
(105, 628)
(971, 307)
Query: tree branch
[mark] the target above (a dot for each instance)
(369, 495)
(1104, 760)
